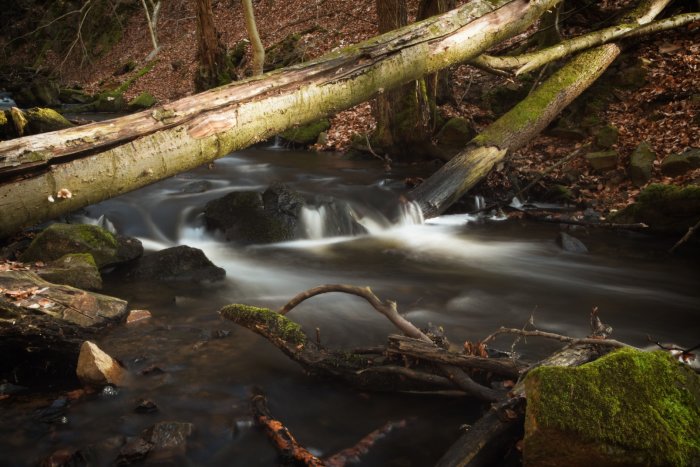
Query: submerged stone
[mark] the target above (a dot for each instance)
(627, 408)
(641, 164)
(570, 243)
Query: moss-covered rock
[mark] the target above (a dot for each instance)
(41, 120)
(457, 132)
(602, 160)
(142, 101)
(627, 408)
(74, 96)
(681, 163)
(76, 269)
(307, 134)
(6, 126)
(606, 136)
(58, 240)
(664, 208)
(641, 164)
(19, 121)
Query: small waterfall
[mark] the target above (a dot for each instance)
(277, 143)
(479, 203)
(410, 214)
(313, 220)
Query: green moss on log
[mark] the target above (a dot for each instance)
(639, 406)
(277, 325)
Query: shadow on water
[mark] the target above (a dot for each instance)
(467, 275)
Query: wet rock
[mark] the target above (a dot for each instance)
(602, 160)
(681, 163)
(664, 208)
(96, 368)
(306, 134)
(66, 457)
(77, 270)
(169, 439)
(138, 315)
(606, 136)
(627, 408)
(146, 406)
(58, 240)
(133, 451)
(179, 263)
(250, 217)
(570, 243)
(641, 164)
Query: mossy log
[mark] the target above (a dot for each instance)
(103, 160)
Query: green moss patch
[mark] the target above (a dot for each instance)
(276, 324)
(58, 240)
(628, 408)
(665, 208)
(307, 134)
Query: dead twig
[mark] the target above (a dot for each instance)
(599, 225)
(284, 441)
(686, 237)
(559, 337)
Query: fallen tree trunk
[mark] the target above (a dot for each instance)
(102, 160)
(522, 123)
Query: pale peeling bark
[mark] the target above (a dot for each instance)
(522, 123)
(99, 161)
(531, 61)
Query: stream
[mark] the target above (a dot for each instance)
(468, 274)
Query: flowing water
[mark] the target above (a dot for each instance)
(467, 274)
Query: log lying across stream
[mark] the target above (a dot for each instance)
(418, 362)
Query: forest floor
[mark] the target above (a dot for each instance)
(664, 111)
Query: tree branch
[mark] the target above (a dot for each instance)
(530, 61)
(559, 337)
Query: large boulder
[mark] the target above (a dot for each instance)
(664, 208)
(627, 408)
(58, 240)
(179, 263)
(43, 325)
(249, 217)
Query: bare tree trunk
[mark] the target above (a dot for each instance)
(437, 84)
(258, 49)
(403, 114)
(152, 21)
(213, 64)
(103, 160)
